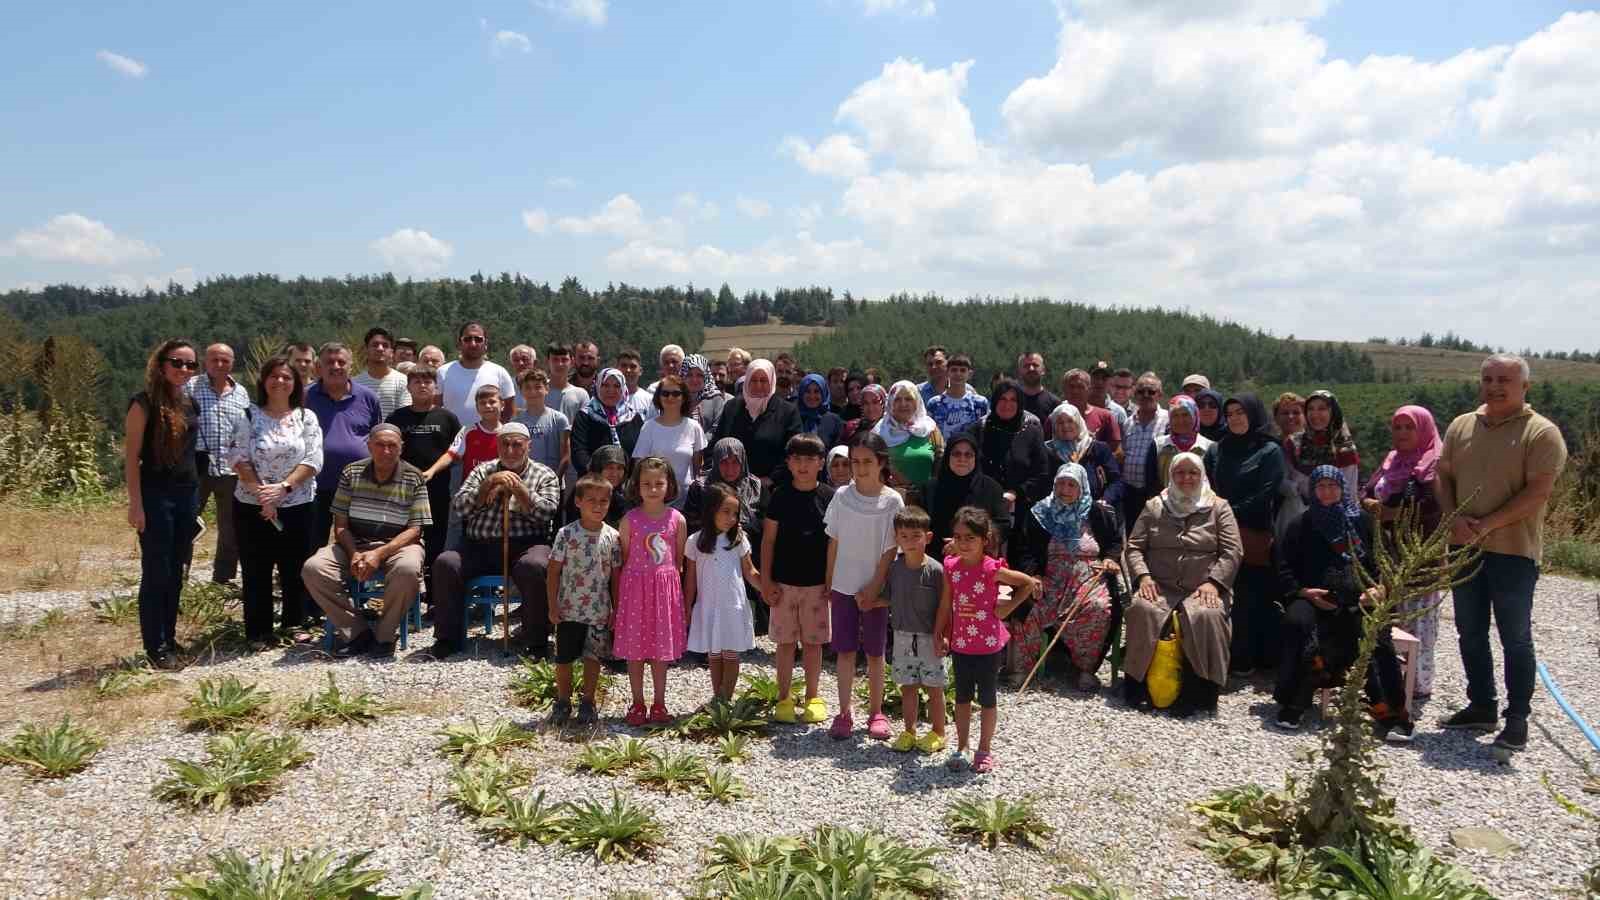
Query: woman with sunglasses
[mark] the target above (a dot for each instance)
(673, 434)
(159, 467)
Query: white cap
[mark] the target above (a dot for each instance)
(512, 428)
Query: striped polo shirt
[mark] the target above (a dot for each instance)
(379, 510)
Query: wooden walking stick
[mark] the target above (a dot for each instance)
(505, 571)
(1060, 627)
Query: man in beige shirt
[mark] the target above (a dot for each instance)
(1499, 463)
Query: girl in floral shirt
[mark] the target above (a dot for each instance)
(972, 626)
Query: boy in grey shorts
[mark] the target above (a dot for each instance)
(913, 589)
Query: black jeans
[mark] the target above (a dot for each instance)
(1338, 633)
(263, 547)
(169, 529)
(1503, 587)
(435, 535)
(322, 525)
(1256, 619)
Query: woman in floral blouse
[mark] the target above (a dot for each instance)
(278, 454)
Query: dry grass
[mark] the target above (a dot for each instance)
(52, 671)
(1434, 364)
(761, 340)
(66, 549)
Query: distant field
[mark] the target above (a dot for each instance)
(1430, 364)
(761, 340)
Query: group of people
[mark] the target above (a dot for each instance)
(916, 522)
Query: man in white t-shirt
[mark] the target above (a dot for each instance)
(459, 381)
(379, 378)
(640, 399)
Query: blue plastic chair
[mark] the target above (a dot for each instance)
(361, 592)
(483, 595)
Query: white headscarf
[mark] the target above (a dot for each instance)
(755, 406)
(893, 433)
(1182, 505)
(1072, 450)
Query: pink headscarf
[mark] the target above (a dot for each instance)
(1419, 462)
(755, 406)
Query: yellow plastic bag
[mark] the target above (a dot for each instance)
(1166, 669)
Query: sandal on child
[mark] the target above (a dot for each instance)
(636, 716)
(983, 763)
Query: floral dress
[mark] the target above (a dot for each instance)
(650, 622)
(975, 629)
(1069, 578)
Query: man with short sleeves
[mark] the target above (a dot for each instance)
(959, 407)
(428, 433)
(460, 380)
(935, 360)
(387, 384)
(347, 413)
(564, 395)
(1035, 397)
(1499, 463)
(1102, 424)
(642, 401)
(223, 404)
(380, 508)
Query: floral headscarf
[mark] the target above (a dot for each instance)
(893, 433)
(1332, 446)
(696, 362)
(754, 405)
(1181, 505)
(1186, 403)
(1421, 462)
(624, 411)
(1065, 522)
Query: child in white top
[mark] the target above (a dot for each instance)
(721, 624)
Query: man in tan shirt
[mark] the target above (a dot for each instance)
(1500, 464)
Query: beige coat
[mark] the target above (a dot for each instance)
(1181, 556)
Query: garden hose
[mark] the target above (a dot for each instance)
(1561, 701)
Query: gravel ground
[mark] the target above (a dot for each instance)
(1114, 783)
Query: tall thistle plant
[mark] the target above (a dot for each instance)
(73, 376)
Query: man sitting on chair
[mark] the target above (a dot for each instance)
(534, 494)
(379, 510)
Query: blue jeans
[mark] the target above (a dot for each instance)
(1503, 586)
(169, 529)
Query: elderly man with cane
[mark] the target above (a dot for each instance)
(509, 501)
(379, 510)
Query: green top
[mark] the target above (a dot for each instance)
(913, 460)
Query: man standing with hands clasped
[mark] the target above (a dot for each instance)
(1500, 463)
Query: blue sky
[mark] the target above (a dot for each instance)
(1343, 168)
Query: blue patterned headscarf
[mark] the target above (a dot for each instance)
(1336, 522)
(810, 415)
(1065, 522)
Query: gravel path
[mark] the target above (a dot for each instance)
(1114, 783)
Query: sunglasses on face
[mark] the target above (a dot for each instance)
(666, 394)
(1146, 392)
(177, 363)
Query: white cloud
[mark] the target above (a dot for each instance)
(124, 65)
(838, 156)
(536, 220)
(915, 114)
(691, 207)
(623, 217)
(561, 182)
(413, 251)
(1229, 87)
(75, 238)
(589, 12)
(908, 7)
(511, 41)
(805, 217)
(754, 207)
(1176, 12)
(1548, 85)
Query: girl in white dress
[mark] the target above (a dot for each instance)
(721, 624)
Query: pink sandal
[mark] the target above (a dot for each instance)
(982, 762)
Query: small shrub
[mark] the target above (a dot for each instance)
(117, 609)
(720, 786)
(319, 874)
(600, 759)
(734, 854)
(240, 768)
(670, 773)
(471, 739)
(618, 830)
(1101, 889)
(734, 748)
(1388, 872)
(719, 718)
(534, 684)
(526, 819)
(763, 687)
(129, 679)
(989, 822)
(330, 706)
(480, 786)
(219, 704)
(831, 862)
(205, 604)
(891, 865)
(52, 752)
(633, 752)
